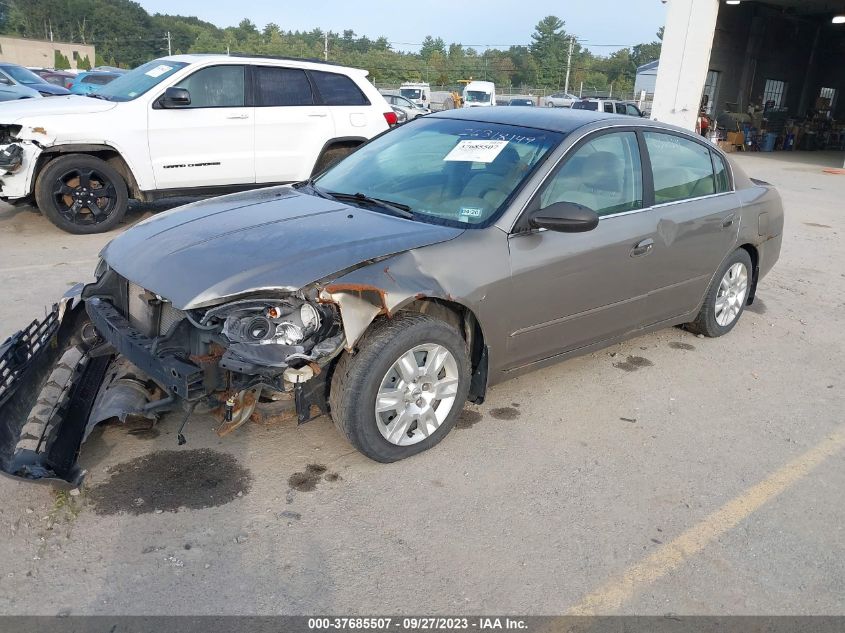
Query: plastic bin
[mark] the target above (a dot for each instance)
(768, 142)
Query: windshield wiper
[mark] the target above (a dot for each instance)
(94, 95)
(396, 208)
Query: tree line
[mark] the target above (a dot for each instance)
(126, 35)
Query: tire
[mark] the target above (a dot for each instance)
(64, 193)
(549, 104)
(330, 157)
(358, 378)
(708, 320)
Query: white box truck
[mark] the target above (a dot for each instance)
(479, 94)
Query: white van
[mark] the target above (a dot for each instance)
(419, 93)
(479, 93)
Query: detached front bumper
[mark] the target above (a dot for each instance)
(17, 169)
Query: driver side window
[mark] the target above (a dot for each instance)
(216, 87)
(604, 174)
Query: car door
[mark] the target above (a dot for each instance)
(573, 289)
(291, 128)
(697, 217)
(210, 142)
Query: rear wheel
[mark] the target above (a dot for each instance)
(404, 389)
(81, 194)
(726, 297)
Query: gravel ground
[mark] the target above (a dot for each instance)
(602, 476)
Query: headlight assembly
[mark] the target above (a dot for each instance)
(272, 322)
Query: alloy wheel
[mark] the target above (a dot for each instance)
(733, 290)
(84, 196)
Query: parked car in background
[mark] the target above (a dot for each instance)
(180, 125)
(456, 252)
(608, 106)
(56, 77)
(521, 102)
(410, 109)
(27, 82)
(91, 81)
(561, 100)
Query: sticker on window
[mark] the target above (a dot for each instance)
(158, 71)
(470, 212)
(476, 151)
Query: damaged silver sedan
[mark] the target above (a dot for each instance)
(450, 254)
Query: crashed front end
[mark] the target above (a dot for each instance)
(20, 147)
(138, 356)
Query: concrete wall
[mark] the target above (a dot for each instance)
(42, 53)
(684, 60)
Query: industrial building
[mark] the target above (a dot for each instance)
(771, 69)
(42, 53)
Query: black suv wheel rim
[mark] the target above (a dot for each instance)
(84, 196)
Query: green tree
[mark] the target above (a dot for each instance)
(550, 49)
(431, 45)
(84, 63)
(60, 62)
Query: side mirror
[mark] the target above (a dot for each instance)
(5, 81)
(175, 98)
(565, 217)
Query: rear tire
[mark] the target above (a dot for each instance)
(364, 380)
(331, 157)
(67, 189)
(726, 297)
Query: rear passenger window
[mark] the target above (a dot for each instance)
(681, 168)
(723, 181)
(604, 175)
(620, 108)
(608, 107)
(338, 89)
(282, 87)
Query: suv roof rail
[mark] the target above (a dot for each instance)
(310, 60)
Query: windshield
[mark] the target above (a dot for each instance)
(445, 171)
(136, 82)
(411, 93)
(477, 96)
(585, 105)
(22, 75)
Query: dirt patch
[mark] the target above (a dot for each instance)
(307, 481)
(505, 413)
(468, 418)
(679, 345)
(167, 481)
(633, 363)
(758, 307)
(815, 224)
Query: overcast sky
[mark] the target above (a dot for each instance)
(406, 22)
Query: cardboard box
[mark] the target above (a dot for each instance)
(736, 138)
(727, 147)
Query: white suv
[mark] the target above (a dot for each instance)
(182, 125)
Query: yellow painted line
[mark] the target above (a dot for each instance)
(616, 592)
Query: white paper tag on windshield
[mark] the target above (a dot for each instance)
(476, 151)
(158, 71)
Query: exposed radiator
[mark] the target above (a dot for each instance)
(154, 319)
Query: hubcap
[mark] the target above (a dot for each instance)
(84, 196)
(731, 295)
(416, 394)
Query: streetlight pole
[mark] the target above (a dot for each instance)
(568, 65)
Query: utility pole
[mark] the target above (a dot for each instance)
(568, 65)
(169, 50)
(326, 46)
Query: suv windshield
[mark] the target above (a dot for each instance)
(138, 81)
(445, 171)
(22, 75)
(477, 96)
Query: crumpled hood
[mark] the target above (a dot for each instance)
(12, 111)
(275, 238)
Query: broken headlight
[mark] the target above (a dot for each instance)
(272, 322)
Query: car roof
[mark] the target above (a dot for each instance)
(553, 119)
(290, 62)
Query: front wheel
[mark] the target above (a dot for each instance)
(726, 298)
(403, 391)
(81, 194)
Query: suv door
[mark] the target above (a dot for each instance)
(291, 128)
(697, 216)
(209, 142)
(349, 107)
(574, 289)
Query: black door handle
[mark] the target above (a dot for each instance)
(642, 248)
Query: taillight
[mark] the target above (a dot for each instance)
(391, 118)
